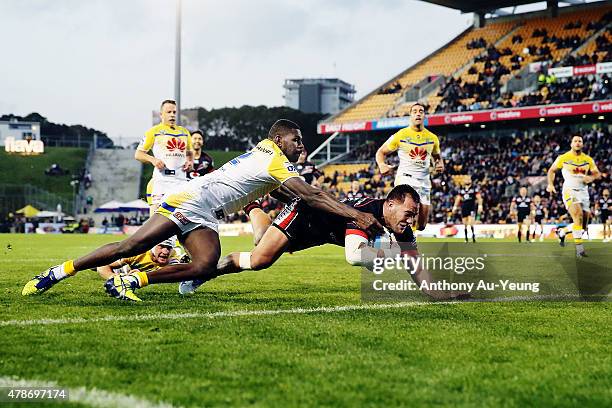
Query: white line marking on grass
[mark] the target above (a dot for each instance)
(272, 312)
(213, 315)
(88, 396)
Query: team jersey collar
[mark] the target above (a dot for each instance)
(166, 126)
(269, 143)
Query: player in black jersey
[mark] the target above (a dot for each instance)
(260, 221)
(539, 214)
(522, 207)
(308, 171)
(202, 162)
(299, 227)
(604, 205)
(356, 192)
(471, 204)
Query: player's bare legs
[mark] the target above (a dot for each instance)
(271, 246)
(205, 249)
(606, 230)
(260, 222)
(423, 216)
(577, 215)
(586, 218)
(154, 231)
(469, 221)
(523, 226)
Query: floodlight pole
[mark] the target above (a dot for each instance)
(177, 63)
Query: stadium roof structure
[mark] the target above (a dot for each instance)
(476, 6)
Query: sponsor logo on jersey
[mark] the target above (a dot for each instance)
(263, 149)
(418, 153)
(175, 144)
(179, 216)
(579, 170)
(290, 167)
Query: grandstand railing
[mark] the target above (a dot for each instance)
(15, 197)
(422, 89)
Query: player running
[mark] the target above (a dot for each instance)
(603, 205)
(300, 227)
(416, 148)
(574, 166)
(172, 154)
(470, 200)
(539, 214)
(522, 207)
(194, 213)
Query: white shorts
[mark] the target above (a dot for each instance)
(422, 186)
(577, 196)
(178, 208)
(164, 186)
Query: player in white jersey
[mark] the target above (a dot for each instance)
(172, 157)
(193, 214)
(575, 166)
(416, 147)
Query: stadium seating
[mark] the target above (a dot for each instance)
(542, 39)
(497, 169)
(444, 62)
(512, 38)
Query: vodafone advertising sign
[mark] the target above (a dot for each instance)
(528, 112)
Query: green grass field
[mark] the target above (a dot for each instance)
(200, 350)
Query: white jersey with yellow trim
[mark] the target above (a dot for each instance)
(415, 150)
(170, 145)
(573, 168)
(237, 183)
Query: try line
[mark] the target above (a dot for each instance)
(214, 315)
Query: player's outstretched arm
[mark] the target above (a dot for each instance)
(106, 271)
(323, 201)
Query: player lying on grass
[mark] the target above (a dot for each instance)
(299, 226)
(161, 255)
(574, 166)
(193, 215)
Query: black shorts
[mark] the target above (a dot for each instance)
(468, 210)
(305, 227)
(605, 215)
(538, 219)
(522, 215)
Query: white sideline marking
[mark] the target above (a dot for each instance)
(271, 312)
(88, 396)
(213, 315)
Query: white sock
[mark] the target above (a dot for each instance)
(578, 234)
(58, 273)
